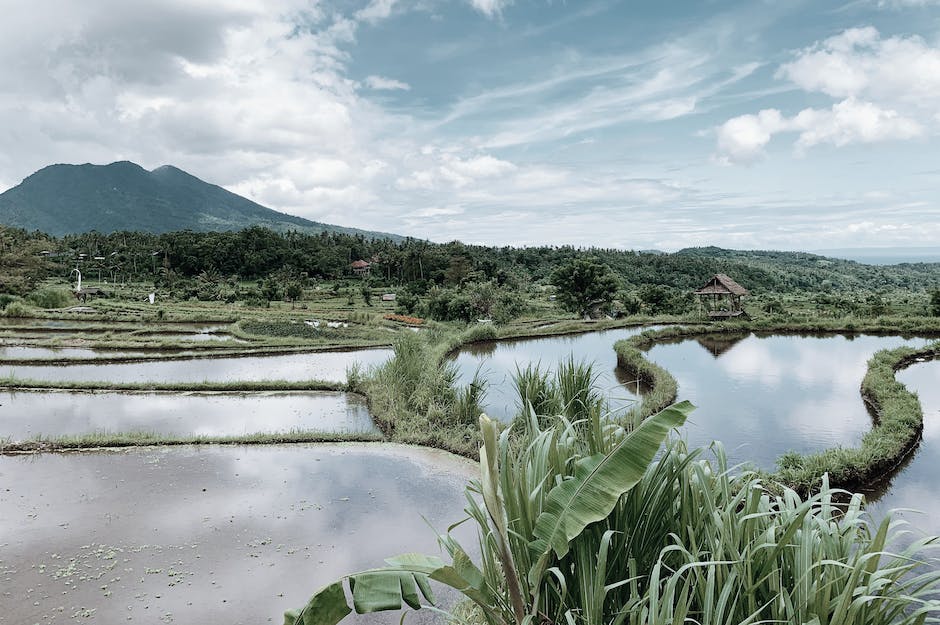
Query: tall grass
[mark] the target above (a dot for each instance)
(692, 541)
(415, 398)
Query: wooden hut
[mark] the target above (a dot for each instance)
(721, 297)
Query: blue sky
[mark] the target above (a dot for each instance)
(785, 125)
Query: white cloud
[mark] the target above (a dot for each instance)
(742, 139)
(380, 83)
(376, 10)
(860, 63)
(851, 121)
(490, 8)
(888, 89)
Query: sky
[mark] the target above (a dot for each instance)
(782, 124)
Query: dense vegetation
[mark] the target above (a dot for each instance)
(579, 524)
(62, 199)
(454, 281)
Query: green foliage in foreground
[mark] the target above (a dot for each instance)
(578, 525)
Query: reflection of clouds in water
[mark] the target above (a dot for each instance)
(328, 366)
(752, 360)
(250, 523)
(824, 422)
(26, 414)
(799, 362)
(916, 486)
(769, 395)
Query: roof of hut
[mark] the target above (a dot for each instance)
(721, 284)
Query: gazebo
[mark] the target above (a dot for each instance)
(721, 297)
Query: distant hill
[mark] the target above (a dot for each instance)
(67, 199)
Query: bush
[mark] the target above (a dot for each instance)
(18, 309)
(52, 297)
(7, 299)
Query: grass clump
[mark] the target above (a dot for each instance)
(414, 398)
(52, 297)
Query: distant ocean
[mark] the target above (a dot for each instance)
(885, 255)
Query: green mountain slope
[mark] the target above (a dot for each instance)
(67, 199)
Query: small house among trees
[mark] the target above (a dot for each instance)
(361, 267)
(721, 297)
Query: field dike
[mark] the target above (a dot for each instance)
(896, 412)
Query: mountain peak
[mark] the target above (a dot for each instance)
(64, 199)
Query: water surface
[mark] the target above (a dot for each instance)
(294, 367)
(916, 486)
(497, 362)
(765, 395)
(210, 534)
(29, 415)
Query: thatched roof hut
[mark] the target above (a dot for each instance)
(722, 284)
(721, 297)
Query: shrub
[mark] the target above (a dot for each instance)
(7, 299)
(18, 309)
(52, 297)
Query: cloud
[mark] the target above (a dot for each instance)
(888, 89)
(376, 10)
(860, 63)
(380, 83)
(743, 139)
(490, 8)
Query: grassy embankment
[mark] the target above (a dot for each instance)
(896, 411)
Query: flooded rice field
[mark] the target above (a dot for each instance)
(230, 534)
(762, 396)
(497, 361)
(25, 352)
(293, 367)
(916, 487)
(28, 415)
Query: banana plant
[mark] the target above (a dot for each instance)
(589, 495)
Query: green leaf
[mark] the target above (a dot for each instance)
(326, 607)
(382, 590)
(598, 483)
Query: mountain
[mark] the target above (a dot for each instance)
(66, 199)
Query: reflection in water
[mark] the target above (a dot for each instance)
(915, 486)
(10, 352)
(329, 366)
(766, 395)
(718, 344)
(497, 363)
(28, 415)
(228, 534)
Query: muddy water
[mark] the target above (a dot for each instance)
(329, 366)
(497, 362)
(210, 534)
(765, 395)
(916, 486)
(29, 415)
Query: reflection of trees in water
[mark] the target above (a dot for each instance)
(629, 380)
